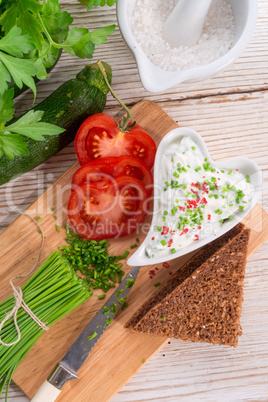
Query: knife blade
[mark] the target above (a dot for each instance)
(67, 368)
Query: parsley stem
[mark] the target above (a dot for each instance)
(123, 124)
(51, 41)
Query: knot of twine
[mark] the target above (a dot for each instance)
(18, 296)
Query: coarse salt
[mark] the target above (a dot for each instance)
(148, 19)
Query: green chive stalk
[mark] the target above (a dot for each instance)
(52, 292)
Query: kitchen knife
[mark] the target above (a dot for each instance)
(69, 365)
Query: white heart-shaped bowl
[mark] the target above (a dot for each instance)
(244, 165)
(154, 79)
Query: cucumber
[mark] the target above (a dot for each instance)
(18, 91)
(67, 107)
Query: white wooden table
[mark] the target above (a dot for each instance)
(231, 113)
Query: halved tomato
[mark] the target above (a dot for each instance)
(99, 136)
(117, 212)
(101, 171)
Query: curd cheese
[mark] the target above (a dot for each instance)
(196, 198)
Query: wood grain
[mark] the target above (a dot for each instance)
(119, 350)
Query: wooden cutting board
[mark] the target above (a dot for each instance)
(119, 353)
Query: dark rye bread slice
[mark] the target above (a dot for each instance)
(183, 273)
(206, 307)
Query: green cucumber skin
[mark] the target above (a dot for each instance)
(66, 107)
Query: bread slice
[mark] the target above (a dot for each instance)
(202, 301)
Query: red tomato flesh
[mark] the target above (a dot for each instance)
(99, 136)
(117, 212)
(101, 172)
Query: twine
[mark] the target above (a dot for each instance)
(18, 295)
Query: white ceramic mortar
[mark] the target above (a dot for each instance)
(155, 79)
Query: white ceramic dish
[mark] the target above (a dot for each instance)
(154, 79)
(245, 166)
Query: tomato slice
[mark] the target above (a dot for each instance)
(99, 136)
(101, 171)
(117, 212)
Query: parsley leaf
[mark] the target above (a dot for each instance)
(12, 141)
(23, 14)
(20, 70)
(98, 36)
(6, 103)
(79, 41)
(56, 21)
(30, 126)
(15, 44)
(12, 145)
(41, 69)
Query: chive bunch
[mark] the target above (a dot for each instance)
(91, 258)
(51, 293)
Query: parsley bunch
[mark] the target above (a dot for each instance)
(31, 36)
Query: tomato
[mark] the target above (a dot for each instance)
(103, 170)
(117, 212)
(99, 136)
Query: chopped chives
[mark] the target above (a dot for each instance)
(157, 284)
(57, 228)
(163, 242)
(109, 321)
(130, 283)
(124, 305)
(92, 336)
(133, 246)
(163, 319)
(38, 219)
(113, 308)
(92, 259)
